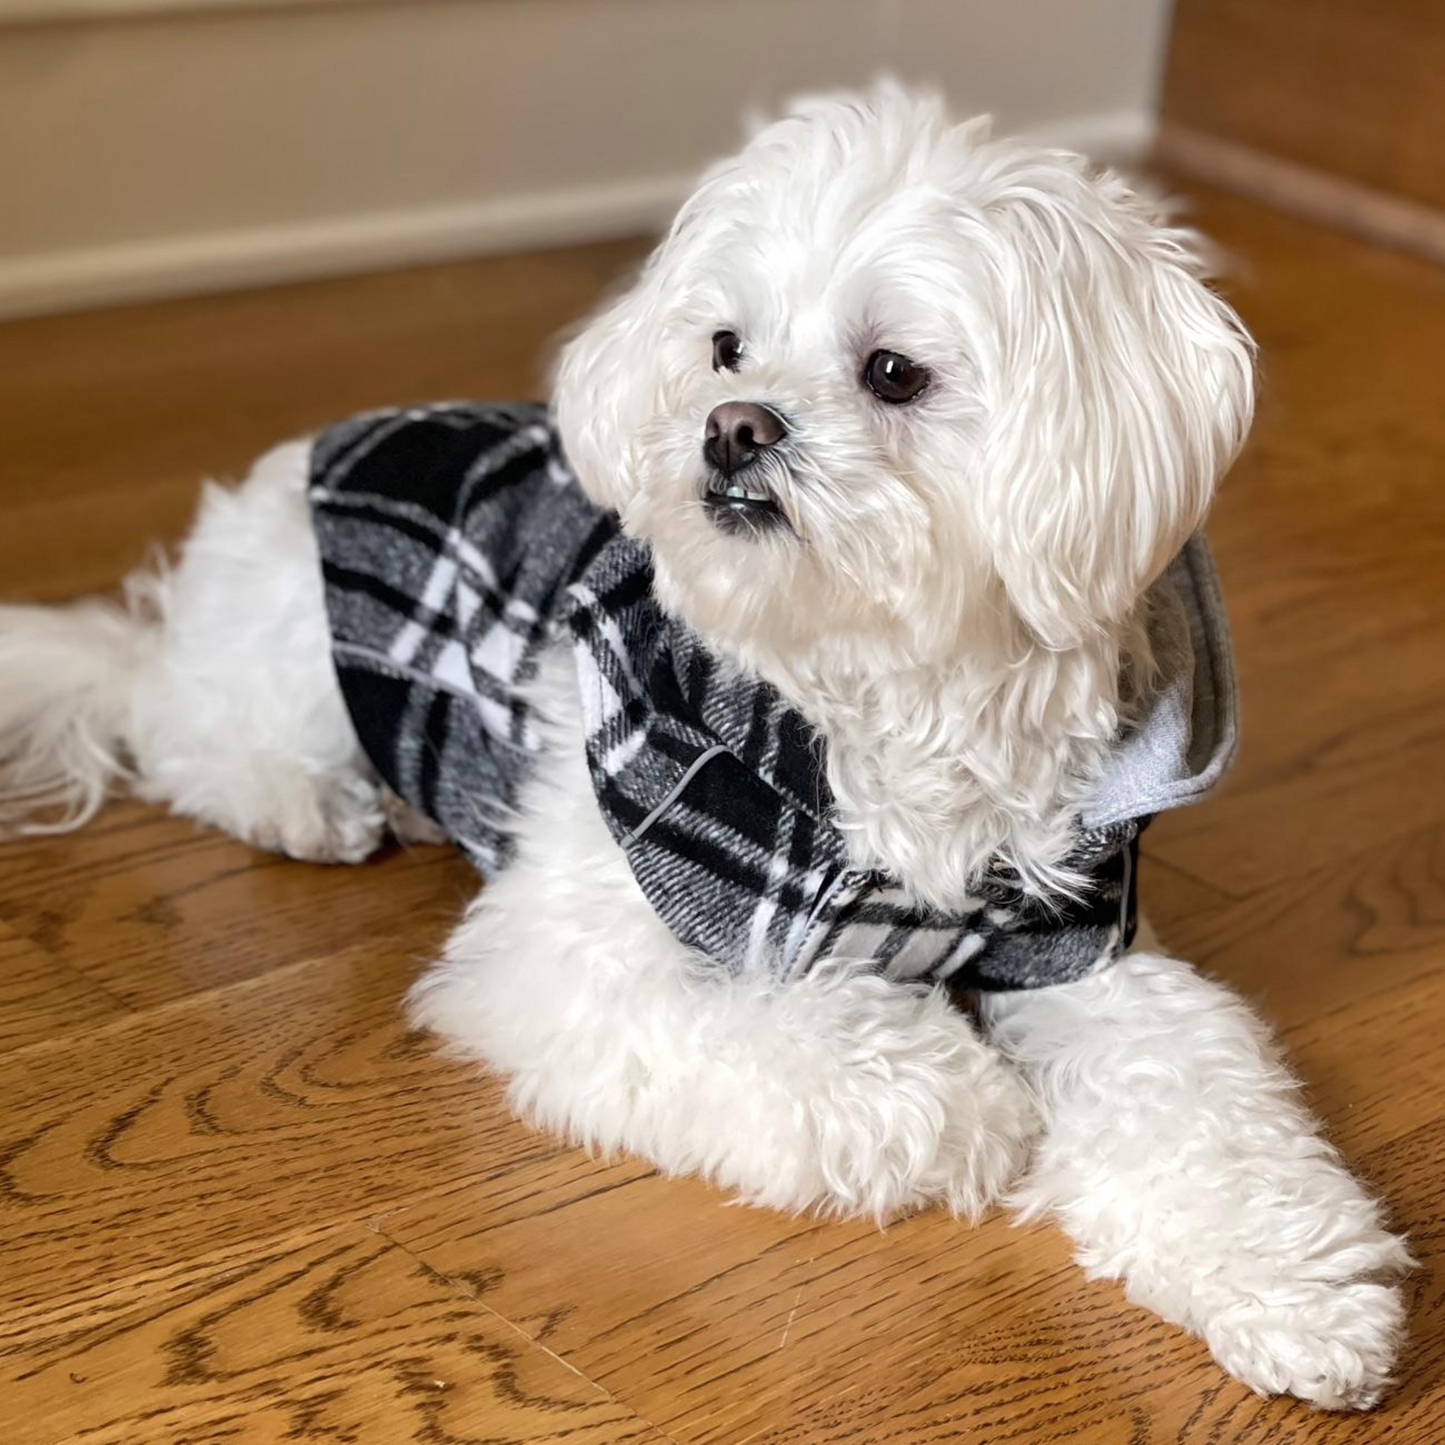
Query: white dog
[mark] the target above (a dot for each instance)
(910, 422)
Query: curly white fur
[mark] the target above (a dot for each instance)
(1180, 1159)
(956, 609)
(840, 1091)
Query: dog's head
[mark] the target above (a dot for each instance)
(889, 379)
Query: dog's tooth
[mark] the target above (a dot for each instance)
(735, 491)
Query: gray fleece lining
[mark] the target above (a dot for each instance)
(1187, 735)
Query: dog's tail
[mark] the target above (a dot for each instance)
(68, 677)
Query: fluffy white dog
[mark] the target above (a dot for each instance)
(910, 422)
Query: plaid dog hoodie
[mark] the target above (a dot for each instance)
(457, 547)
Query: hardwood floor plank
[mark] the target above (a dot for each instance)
(1331, 937)
(1174, 898)
(292, 1099)
(1315, 819)
(735, 1326)
(152, 908)
(335, 1335)
(114, 417)
(727, 1322)
(40, 998)
(1375, 1080)
(1330, 535)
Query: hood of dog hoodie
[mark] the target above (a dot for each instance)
(1185, 737)
(457, 547)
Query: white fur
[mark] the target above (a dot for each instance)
(957, 610)
(1179, 1158)
(211, 689)
(967, 587)
(841, 1091)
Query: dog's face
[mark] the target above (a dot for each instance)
(892, 381)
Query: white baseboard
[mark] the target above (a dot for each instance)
(339, 245)
(295, 251)
(1381, 218)
(57, 12)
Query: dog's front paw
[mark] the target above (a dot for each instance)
(989, 1126)
(925, 1113)
(1333, 1345)
(322, 818)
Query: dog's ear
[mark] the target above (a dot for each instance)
(607, 377)
(593, 413)
(1124, 388)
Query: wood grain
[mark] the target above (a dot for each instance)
(112, 417)
(289, 1099)
(239, 1201)
(718, 1331)
(335, 1335)
(150, 908)
(42, 999)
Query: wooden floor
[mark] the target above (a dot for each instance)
(240, 1202)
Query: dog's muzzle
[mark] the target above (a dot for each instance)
(737, 437)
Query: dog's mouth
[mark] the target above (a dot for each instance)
(743, 507)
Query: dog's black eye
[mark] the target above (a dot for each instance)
(894, 378)
(727, 351)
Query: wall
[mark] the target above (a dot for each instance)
(161, 147)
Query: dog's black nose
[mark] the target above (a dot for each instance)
(736, 432)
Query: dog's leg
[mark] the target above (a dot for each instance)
(1177, 1155)
(841, 1091)
(212, 690)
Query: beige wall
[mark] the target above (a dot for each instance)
(212, 144)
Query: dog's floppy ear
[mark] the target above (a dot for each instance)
(596, 416)
(1124, 388)
(593, 413)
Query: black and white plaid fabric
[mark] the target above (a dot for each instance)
(448, 536)
(457, 546)
(716, 790)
